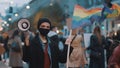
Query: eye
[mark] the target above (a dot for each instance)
(44, 26)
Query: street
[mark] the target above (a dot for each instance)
(6, 65)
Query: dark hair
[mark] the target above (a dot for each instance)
(15, 33)
(97, 32)
(41, 20)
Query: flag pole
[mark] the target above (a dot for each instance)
(68, 51)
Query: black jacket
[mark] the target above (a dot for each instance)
(35, 54)
(97, 59)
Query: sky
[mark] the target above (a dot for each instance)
(4, 4)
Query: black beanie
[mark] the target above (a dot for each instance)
(41, 20)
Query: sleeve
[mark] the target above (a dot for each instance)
(104, 42)
(20, 45)
(19, 42)
(27, 52)
(92, 42)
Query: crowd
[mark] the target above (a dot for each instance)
(40, 49)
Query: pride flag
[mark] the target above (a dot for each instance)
(116, 11)
(106, 12)
(81, 16)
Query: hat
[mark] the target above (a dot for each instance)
(41, 20)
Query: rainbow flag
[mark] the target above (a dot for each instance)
(81, 16)
(106, 12)
(116, 11)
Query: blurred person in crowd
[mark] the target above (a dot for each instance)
(26, 37)
(112, 43)
(114, 60)
(77, 58)
(118, 35)
(57, 40)
(53, 35)
(5, 42)
(43, 53)
(15, 60)
(114, 35)
(97, 44)
(109, 44)
(1, 42)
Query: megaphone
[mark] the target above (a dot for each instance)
(23, 24)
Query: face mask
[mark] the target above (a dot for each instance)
(43, 31)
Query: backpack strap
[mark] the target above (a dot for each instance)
(73, 39)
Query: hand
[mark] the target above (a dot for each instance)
(27, 41)
(68, 40)
(1, 44)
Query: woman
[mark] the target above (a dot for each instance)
(77, 58)
(15, 60)
(42, 52)
(97, 42)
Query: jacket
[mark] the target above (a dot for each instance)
(36, 55)
(15, 59)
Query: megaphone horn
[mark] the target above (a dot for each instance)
(23, 24)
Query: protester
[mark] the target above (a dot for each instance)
(110, 45)
(26, 37)
(5, 42)
(42, 53)
(2, 46)
(53, 35)
(114, 60)
(118, 35)
(97, 44)
(15, 60)
(77, 58)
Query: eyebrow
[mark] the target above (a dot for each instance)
(45, 26)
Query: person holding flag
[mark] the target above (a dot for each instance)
(77, 57)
